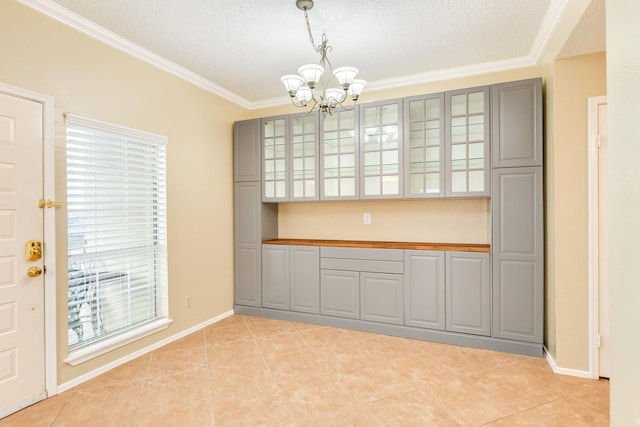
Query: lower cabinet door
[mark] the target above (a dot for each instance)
(275, 276)
(248, 285)
(340, 293)
(468, 293)
(381, 297)
(424, 289)
(304, 264)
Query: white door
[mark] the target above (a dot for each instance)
(22, 336)
(603, 244)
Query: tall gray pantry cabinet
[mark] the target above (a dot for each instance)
(477, 142)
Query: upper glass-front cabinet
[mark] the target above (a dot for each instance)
(275, 155)
(424, 146)
(380, 150)
(467, 142)
(304, 157)
(339, 155)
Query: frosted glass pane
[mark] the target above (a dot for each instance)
(310, 188)
(297, 150)
(280, 165)
(279, 151)
(476, 128)
(269, 189)
(459, 182)
(330, 162)
(476, 181)
(432, 183)
(459, 105)
(347, 142)
(268, 152)
(390, 185)
(331, 187)
(416, 138)
(298, 174)
(347, 160)
(348, 187)
(416, 155)
(297, 125)
(390, 157)
(298, 189)
(371, 139)
(459, 129)
(416, 110)
(390, 114)
(310, 163)
(476, 103)
(280, 189)
(310, 148)
(432, 154)
(459, 156)
(372, 185)
(432, 109)
(269, 170)
(476, 156)
(330, 122)
(371, 116)
(347, 119)
(279, 127)
(372, 163)
(269, 129)
(390, 137)
(416, 184)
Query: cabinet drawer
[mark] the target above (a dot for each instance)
(373, 254)
(372, 266)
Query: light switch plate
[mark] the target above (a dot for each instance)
(366, 217)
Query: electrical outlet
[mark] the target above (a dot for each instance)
(187, 302)
(366, 217)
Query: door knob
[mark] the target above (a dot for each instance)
(34, 271)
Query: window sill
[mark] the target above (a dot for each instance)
(99, 348)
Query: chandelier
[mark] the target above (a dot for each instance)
(311, 86)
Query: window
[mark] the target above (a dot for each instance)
(117, 236)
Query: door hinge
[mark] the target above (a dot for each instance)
(598, 341)
(598, 141)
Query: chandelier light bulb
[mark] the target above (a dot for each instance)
(311, 74)
(304, 95)
(345, 75)
(356, 88)
(334, 95)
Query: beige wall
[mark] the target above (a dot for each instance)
(575, 80)
(623, 69)
(91, 79)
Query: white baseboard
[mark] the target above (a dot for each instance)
(101, 370)
(564, 371)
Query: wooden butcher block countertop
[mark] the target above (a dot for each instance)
(463, 247)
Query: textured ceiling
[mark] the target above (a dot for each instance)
(245, 46)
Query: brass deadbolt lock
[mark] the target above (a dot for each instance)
(33, 250)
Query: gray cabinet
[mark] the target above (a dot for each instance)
(381, 297)
(247, 236)
(424, 293)
(467, 146)
(275, 276)
(246, 151)
(424, 146)
(518, 246)
(304, 278)
(340, 293)
(468, 293)
(362, 283)
(339, 155)
(380, 150)
(517, 123)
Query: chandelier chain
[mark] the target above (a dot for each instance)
(313, 43)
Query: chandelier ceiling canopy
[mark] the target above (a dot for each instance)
(312, 87)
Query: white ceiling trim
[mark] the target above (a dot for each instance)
(73, 20)
(77, 22)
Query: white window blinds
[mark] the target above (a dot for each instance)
(117, 232)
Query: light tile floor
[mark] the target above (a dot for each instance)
(249, 371)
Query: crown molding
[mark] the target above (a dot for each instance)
(83, 25)
(549, 25)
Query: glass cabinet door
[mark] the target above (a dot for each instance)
(304, 157)
(274, 151)
(339, 155)
(468, 144)
(424, 146)
(380, 153)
